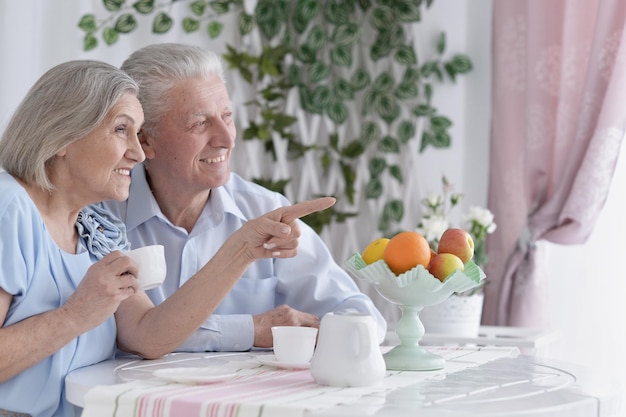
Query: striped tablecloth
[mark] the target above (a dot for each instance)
(258, 390)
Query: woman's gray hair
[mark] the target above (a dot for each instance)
(65, 105)
(158, 68)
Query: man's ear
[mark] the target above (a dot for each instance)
(147, 143)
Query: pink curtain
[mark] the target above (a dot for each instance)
(559, 113)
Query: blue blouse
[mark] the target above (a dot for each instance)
(41, 277)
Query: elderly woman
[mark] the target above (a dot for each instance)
(68, 294)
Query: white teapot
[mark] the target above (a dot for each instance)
(347, 352)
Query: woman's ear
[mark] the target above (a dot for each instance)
(147, 143)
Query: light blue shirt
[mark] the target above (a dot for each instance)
(41, 277)
(310, 282)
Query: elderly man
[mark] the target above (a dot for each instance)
(185, 197)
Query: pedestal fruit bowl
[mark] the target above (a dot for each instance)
(412, 291)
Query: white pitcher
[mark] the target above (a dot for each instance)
(347, 352)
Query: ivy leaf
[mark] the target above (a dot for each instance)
(333, 140)
(125, 23)
(341, 56)
(406, 91)
(374, 189)
(326, 160)
(305, 11)
(336, 13)
(306, 55)
(441, 140)
(277, 186)
(318, 72)
(379, 49)
(411, 75)
(382, 18)
(190, 25)
(427, 139)
(389, 144)
(441, 43)
(214, 29)
(353, 149)
(294, 75)
(428, 92)
(198, 7)
(337, 112)
(405, 55)
(220, 7)
(370, 132)
(162, 23)
(428, 68)
(88, 24)
(346, 34)
(408, 11)
(461, 64)
(343, 90)
(423, 110)
(144, 6)
(388, 108)
(349, 176)
(250, 132)
(396, 172)
(283, 121)
(377, 166)
(439, 124)
(246, 23)
(113, 5)
(316, 38)
(384, 82)
(393, 211)
(360, 79)
(89, 42)
(110, 36)
(406, 130)
(321, 97)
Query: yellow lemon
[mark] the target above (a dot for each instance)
(375, 250)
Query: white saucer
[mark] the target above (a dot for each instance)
(272, 361)
(193, 375)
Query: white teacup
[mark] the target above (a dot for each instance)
(294, 344)
(151, 263)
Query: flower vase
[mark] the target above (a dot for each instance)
(457, 316)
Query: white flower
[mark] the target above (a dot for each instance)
(432, 227)
(482, 216)
(433, 200)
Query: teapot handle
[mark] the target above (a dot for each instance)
(364, 341)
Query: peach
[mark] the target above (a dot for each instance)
(457, 242)
(444, 264)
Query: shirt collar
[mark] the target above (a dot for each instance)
(142, 205)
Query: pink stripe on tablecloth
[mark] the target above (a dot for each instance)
(258, 387)
(222, 398)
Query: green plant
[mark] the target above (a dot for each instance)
(347, 59)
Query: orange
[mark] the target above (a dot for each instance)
(405, 251)
(375, 250)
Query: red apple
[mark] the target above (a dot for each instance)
(443, 265)
(457, 242)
